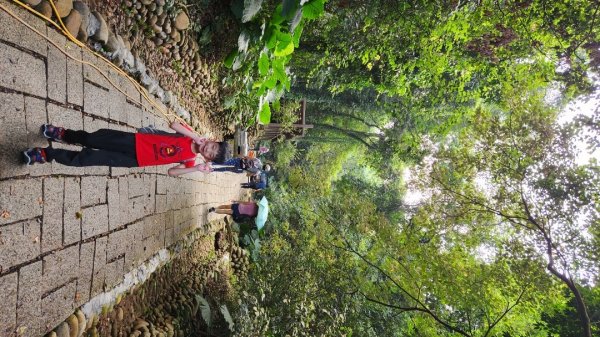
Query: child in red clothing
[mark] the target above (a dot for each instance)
(125, 149)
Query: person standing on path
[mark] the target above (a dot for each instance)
(240, 210)
(258, 181)
(115, 148)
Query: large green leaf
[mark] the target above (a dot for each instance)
(229, 101)
(251, 8)
(263, 64)
(204, 309)
(296, 21)
(229, 59)
(313, 9)
(284, 48)
(283, 36)
(272, 38)
(276, 105)
(264, 116)
(289, 7)
(277, 18)
(297, 33)
(270, 82)
(227, 316)
(279, 69)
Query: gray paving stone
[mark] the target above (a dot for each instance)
(52, 224)
(74, 75)
(94, 221)
(64, 117)
(72, 211)
(94, 73)
(8, 298)
(19, 242)
(161, 203)
(96, 101)
(136, 186)
(21, 71)
(134, 116)
(20, 200)
(60, 267)
(169, 219)
(114, 273)
(148, 118)
(57, 68)
(114, 204)
(30, 318)
(35, 116)
(16, 32)
(153, 169)
(163, 124)
(86, 268)
(119, 171)
(93, 190)
(99, 266)
(118, 107)
(124, 198)
(117, 243)
(161, 184)
(58, 305)
(128, 87)
(13, 134)
(135, 250)
(151, 227)
(136, 208)
(169, 237)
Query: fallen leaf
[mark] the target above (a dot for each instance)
(78, 215)
(36, 239)
(5, 214)
(40, 201)
(21, 330)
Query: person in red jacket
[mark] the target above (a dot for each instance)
(116, 148)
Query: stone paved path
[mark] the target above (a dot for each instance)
(67, 234)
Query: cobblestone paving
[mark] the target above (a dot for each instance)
(67, 234)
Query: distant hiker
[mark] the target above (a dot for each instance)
(240, 210)
(115, 148)
(240, 165)
(258, 181)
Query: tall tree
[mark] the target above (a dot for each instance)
(518, 166)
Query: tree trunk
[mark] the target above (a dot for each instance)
(584, 316)
(350, 133)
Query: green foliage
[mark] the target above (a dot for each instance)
(204, 307)
(453, 92)
(260, 77)
(227, 316)
(285, 152)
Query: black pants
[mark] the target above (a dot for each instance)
(100, 148)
